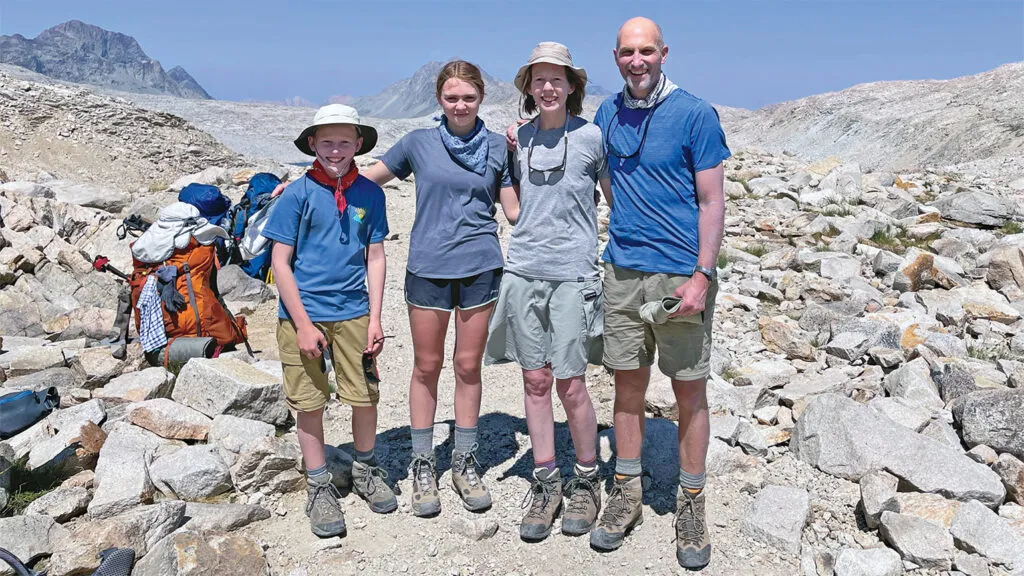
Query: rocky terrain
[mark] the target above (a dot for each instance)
(867, 396)
(80, 52)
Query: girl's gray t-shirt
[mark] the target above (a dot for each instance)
(454, 234)
(555, 237)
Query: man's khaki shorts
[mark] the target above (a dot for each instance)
(305, 386)
(683, 343)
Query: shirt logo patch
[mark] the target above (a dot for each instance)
(360, 214)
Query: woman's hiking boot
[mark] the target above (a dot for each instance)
(325, 516)
(693, 546)
(544, 501)
(467, 482)
(622, 513)
(369, 483)
(425, 499)
(584, 495)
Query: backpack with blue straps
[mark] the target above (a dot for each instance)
(256, 197)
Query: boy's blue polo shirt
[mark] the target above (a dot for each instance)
(329, 261)
(653, 223)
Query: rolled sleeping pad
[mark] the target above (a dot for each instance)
(181, 350)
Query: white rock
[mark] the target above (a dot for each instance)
(777, 517)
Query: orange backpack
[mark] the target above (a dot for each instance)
(204, 313)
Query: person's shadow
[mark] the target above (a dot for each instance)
(497, 444)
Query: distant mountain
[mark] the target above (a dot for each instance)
(80, 52)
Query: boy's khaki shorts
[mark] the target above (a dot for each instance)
(305, 386)
(683, 343)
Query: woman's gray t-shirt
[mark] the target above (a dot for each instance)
(555, 237)
(454, 234)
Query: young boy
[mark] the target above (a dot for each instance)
(328, 229)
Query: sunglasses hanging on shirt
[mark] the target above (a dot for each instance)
(565, 152)
(612, 150)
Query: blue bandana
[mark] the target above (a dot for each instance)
(470, 150)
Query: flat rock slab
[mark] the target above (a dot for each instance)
(269, 462)
(848, 440)
(181, 553)
(191, 473)
(1011, 471)
(230, 386)
(168, 419)
(919, 541)
(122, 472)
(978, 529)
(777, 517)
(138, 386)
(31, 537)
(994, 418)
(222, 517)
(870, 562)
(61, 504)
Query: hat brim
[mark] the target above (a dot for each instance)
(520, 80)
(367, 133)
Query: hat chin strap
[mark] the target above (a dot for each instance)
(330, 166)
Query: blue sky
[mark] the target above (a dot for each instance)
(736, 52)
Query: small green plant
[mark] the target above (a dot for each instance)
(831, 231)
(25, 489)
(980, 353)
(157, 187)
(822, 248)
(1012, 227)
(730, 374)
(883, 238)
(755, 249)
(722, 261)
(839, 210)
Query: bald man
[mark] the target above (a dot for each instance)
(665, 151)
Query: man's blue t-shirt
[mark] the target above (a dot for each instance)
(653, 224)
(329, 262)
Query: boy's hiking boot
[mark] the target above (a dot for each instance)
(467, 483)
(546, 496)
(693, 547)
(622, 513)
(584, 502)
(425, 499)
(368, 482)
(325, 516)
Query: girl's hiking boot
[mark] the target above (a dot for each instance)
(693, 547)
(425, 499)
(622, 514)
(325, 516)
(584, 502)
(467, 483)
(545, 501)
(368, 482)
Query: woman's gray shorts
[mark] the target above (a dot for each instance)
(539, 322)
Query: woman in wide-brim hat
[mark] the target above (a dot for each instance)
(549, 316)
(455, 266)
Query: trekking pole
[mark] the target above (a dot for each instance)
(102, 264)
(17, 565)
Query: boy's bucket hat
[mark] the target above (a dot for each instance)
(337, 114)
(552, 53)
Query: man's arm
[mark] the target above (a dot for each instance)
(606, 189)
(310, 339)
(710, 229)
(376, 272)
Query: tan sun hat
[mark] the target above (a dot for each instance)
(552, 53)
(337, 114)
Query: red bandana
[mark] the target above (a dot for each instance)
(320, 174)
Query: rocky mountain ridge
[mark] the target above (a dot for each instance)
(78, 52)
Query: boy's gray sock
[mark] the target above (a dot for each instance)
(692, 482)
(423, 440)
(465, 439)
(368, 457)
(628, 466)
(318, 475)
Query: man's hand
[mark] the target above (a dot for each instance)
(374, 339)
(692, 294)
(278, 189)
(311, 341)
(510, 134)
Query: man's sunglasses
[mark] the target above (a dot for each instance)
(370, 364)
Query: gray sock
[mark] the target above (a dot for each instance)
(368, 457)
(628, 466)
(692, 482)
(423, 440)
(318, 475)
(465, 438)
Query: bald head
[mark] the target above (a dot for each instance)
(641, 27)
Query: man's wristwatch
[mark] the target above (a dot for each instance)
(711, 273)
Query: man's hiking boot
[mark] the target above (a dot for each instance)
(325, 516)
(693, 547)
(584, 502)
(467, 483)
(425, 499)
(545, 501)
(622, 513)
(368, 482)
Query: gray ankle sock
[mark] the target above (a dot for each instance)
(628, 466)
(368, 457)
(423, 440)
(465, 438)
(318, 475)
(692, 482)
